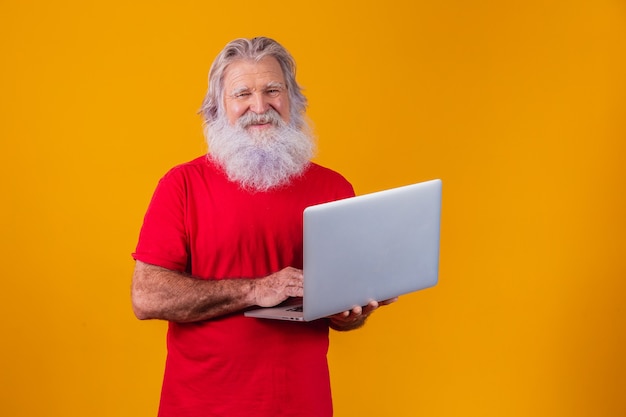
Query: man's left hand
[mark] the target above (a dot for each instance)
(355, 318)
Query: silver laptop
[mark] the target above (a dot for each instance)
(370, 247)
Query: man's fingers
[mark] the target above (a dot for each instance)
(279, 286)
(295, 291)
(389, 301)
(294, 287)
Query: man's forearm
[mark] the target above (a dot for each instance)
(159, 293)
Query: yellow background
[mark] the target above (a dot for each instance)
(518, 106)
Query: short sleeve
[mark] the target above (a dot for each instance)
(163, 239)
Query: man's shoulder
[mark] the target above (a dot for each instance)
(197, 166)
(316, 169)
(189, 174)
(200, 162)
(329, 178)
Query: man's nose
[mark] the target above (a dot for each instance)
(259, 103)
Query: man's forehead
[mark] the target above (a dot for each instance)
(251, 74)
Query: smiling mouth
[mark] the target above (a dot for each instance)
(261, 124)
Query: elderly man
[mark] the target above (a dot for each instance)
(223, 233)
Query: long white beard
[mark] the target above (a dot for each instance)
(260, 160)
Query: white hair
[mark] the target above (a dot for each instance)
(255, 50)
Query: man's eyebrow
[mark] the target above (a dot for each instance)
(239, 90)
(272, 84)
(275, 84)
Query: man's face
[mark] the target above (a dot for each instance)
(255, 87)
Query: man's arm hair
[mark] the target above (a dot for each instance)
(160, 293)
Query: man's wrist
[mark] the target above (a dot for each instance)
(252, 292)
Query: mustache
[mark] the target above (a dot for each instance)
(250, 118)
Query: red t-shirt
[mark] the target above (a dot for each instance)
(201, 223)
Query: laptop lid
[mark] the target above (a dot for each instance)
(371, 247)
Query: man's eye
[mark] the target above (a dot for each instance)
(272, 92)
(243, 94)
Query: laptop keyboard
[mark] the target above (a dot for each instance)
(296, 308)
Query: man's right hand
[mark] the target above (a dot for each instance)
(277, 287)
